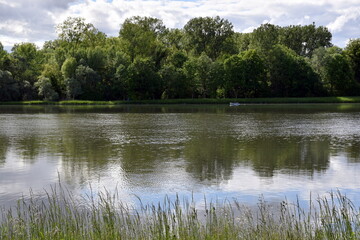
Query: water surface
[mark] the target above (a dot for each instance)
(193, 150)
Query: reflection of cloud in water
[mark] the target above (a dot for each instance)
(18, 177)
(340, 175)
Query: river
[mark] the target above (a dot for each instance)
(149, 151)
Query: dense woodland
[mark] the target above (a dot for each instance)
(205, 59)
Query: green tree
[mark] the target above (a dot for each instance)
(265, 37)
(96, 58)
(177, 58)
(90, 83)
(46, 90)
(60, 56)
(203, 75)
(53, 73)
(245, 74)
(143, 80)
(334, 67)
(115, 78)
(291, 75)
(142, 36)
(293, 38)
(353, 51)
(69, 67)
(9, 88)
(73, 88)
(313, 38)
(3, 54)
(174, 39)
(337, 75)
(26, 63)
(174, 81)
(75, 32)
(243, 41)
(210, 35)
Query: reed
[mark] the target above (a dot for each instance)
(104, 216)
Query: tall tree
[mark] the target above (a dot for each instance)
(291, 75)
(46, 89)
(353, 51)
(245, 74)
(75, 31)
(315, 37)
(210, 35)
(27, 66)
(53, 73)
(90, 83)
(334, 67)
(293, 38)
(142, 37)
(265, 37)
(9, 88)
(143, 80)
(203, 75)
(3, 54)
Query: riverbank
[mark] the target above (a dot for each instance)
(59, 216)
(197, 101)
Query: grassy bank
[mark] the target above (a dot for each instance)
(102, 217)
(197, 101)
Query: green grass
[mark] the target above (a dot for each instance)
(196, 101)
(104, 217)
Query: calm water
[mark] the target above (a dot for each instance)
(151, 151)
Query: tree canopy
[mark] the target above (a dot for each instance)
(204, 59)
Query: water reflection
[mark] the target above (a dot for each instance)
(4, 143)
(152, 150)
(295, 155)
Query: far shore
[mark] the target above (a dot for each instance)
(197, 101)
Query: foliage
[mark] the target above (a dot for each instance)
(3, 54)
(210, 35)
(175, 82)
(143, 80)
(142, 36)
(291, 75)
(46, 90)
(9, 89)
(335, 70)
(89, 81)
(68, 68)
(245, 74)
(73, 88)
(204, 59)
(301, 39)
(203, 75)
(76, 32)
(353, 51)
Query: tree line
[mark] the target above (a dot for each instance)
(204, 59)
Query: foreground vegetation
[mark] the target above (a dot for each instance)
(196, 101)
(102, 216)
(204, 59)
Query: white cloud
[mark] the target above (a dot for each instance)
(40, 17)
(345, 16)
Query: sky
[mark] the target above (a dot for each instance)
(35, 20)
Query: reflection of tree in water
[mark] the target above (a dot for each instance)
(84, 152)
(29, 146)
(4, 144)
(352, 149)
(215, 158)
(295, 155)
(210, 158)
